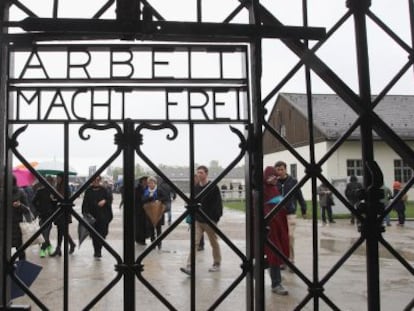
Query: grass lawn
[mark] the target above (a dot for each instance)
(240, 206)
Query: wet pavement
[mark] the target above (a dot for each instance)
(346, 288)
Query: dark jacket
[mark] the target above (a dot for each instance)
(352, 191)
(400, 204)
(90, 204)
(59, 221)
(17, 215)
(284, 186)
(211, 204)
(44, 203)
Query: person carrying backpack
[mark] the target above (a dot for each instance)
(352, 193)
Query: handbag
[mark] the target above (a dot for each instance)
(29, 226)
(154, 210)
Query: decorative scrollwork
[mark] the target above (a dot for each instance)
(99, 127)
(13, 140)
(161, 126)
(243, 141)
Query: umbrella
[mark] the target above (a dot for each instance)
(53, 168)
(275, 200)
(23, 177)
(154, 210)
(21, 165)
(83, 232)
(27, 272)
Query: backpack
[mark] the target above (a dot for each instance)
(352, 192)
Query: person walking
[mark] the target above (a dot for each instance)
(171, 195)
(97, 202)
(386, 201)
(326, 201)
(212, 207)
(142, 225)
(278, 230)
(19, 208)
(400, 205)
(352, 193)
(60, 221)
(285, 183)
(45, 204)
(154, 193)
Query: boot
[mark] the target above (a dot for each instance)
(72, 248)
(57, 252)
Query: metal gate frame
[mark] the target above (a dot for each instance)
(263, 24)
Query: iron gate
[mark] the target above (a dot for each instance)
(142, 20)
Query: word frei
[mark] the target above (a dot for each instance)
(77, 83)
(117, 104)
(101, 82)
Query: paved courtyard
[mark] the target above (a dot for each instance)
(346, 288)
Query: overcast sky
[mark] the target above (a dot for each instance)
(218, 142)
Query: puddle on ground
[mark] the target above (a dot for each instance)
(337, 246)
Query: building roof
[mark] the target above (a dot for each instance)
(333, 117)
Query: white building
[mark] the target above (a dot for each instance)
(332, 118)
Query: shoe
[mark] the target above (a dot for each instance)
(332, 221)
(57, 252)
(304, 216)
(389, 225)
(200, 248)
(324, 223)
(280, 290)
(49, 250)
(43, 253)
(72, 248)
(214, 268)
(186, 270)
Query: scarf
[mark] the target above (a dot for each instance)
(151, 192)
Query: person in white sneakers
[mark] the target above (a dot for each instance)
(212, 206)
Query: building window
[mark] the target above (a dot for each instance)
(294, 171)
(354, 167)
(402, 172)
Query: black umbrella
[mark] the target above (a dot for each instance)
(27, 272)
(83, 232)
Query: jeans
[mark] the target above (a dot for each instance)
(326, 210)
(275, 275)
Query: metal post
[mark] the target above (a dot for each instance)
(129, 214)
(4, 237)
(256, 150)
(359, 8)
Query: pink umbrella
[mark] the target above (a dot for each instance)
(23, 177)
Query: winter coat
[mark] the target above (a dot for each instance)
(211, 203)
(102, 214)
(352, 191)
(400, 204)
(325, 196)
(278, 233)
(44, 203)
(59, 221)
(17, 215)
(284, 186)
